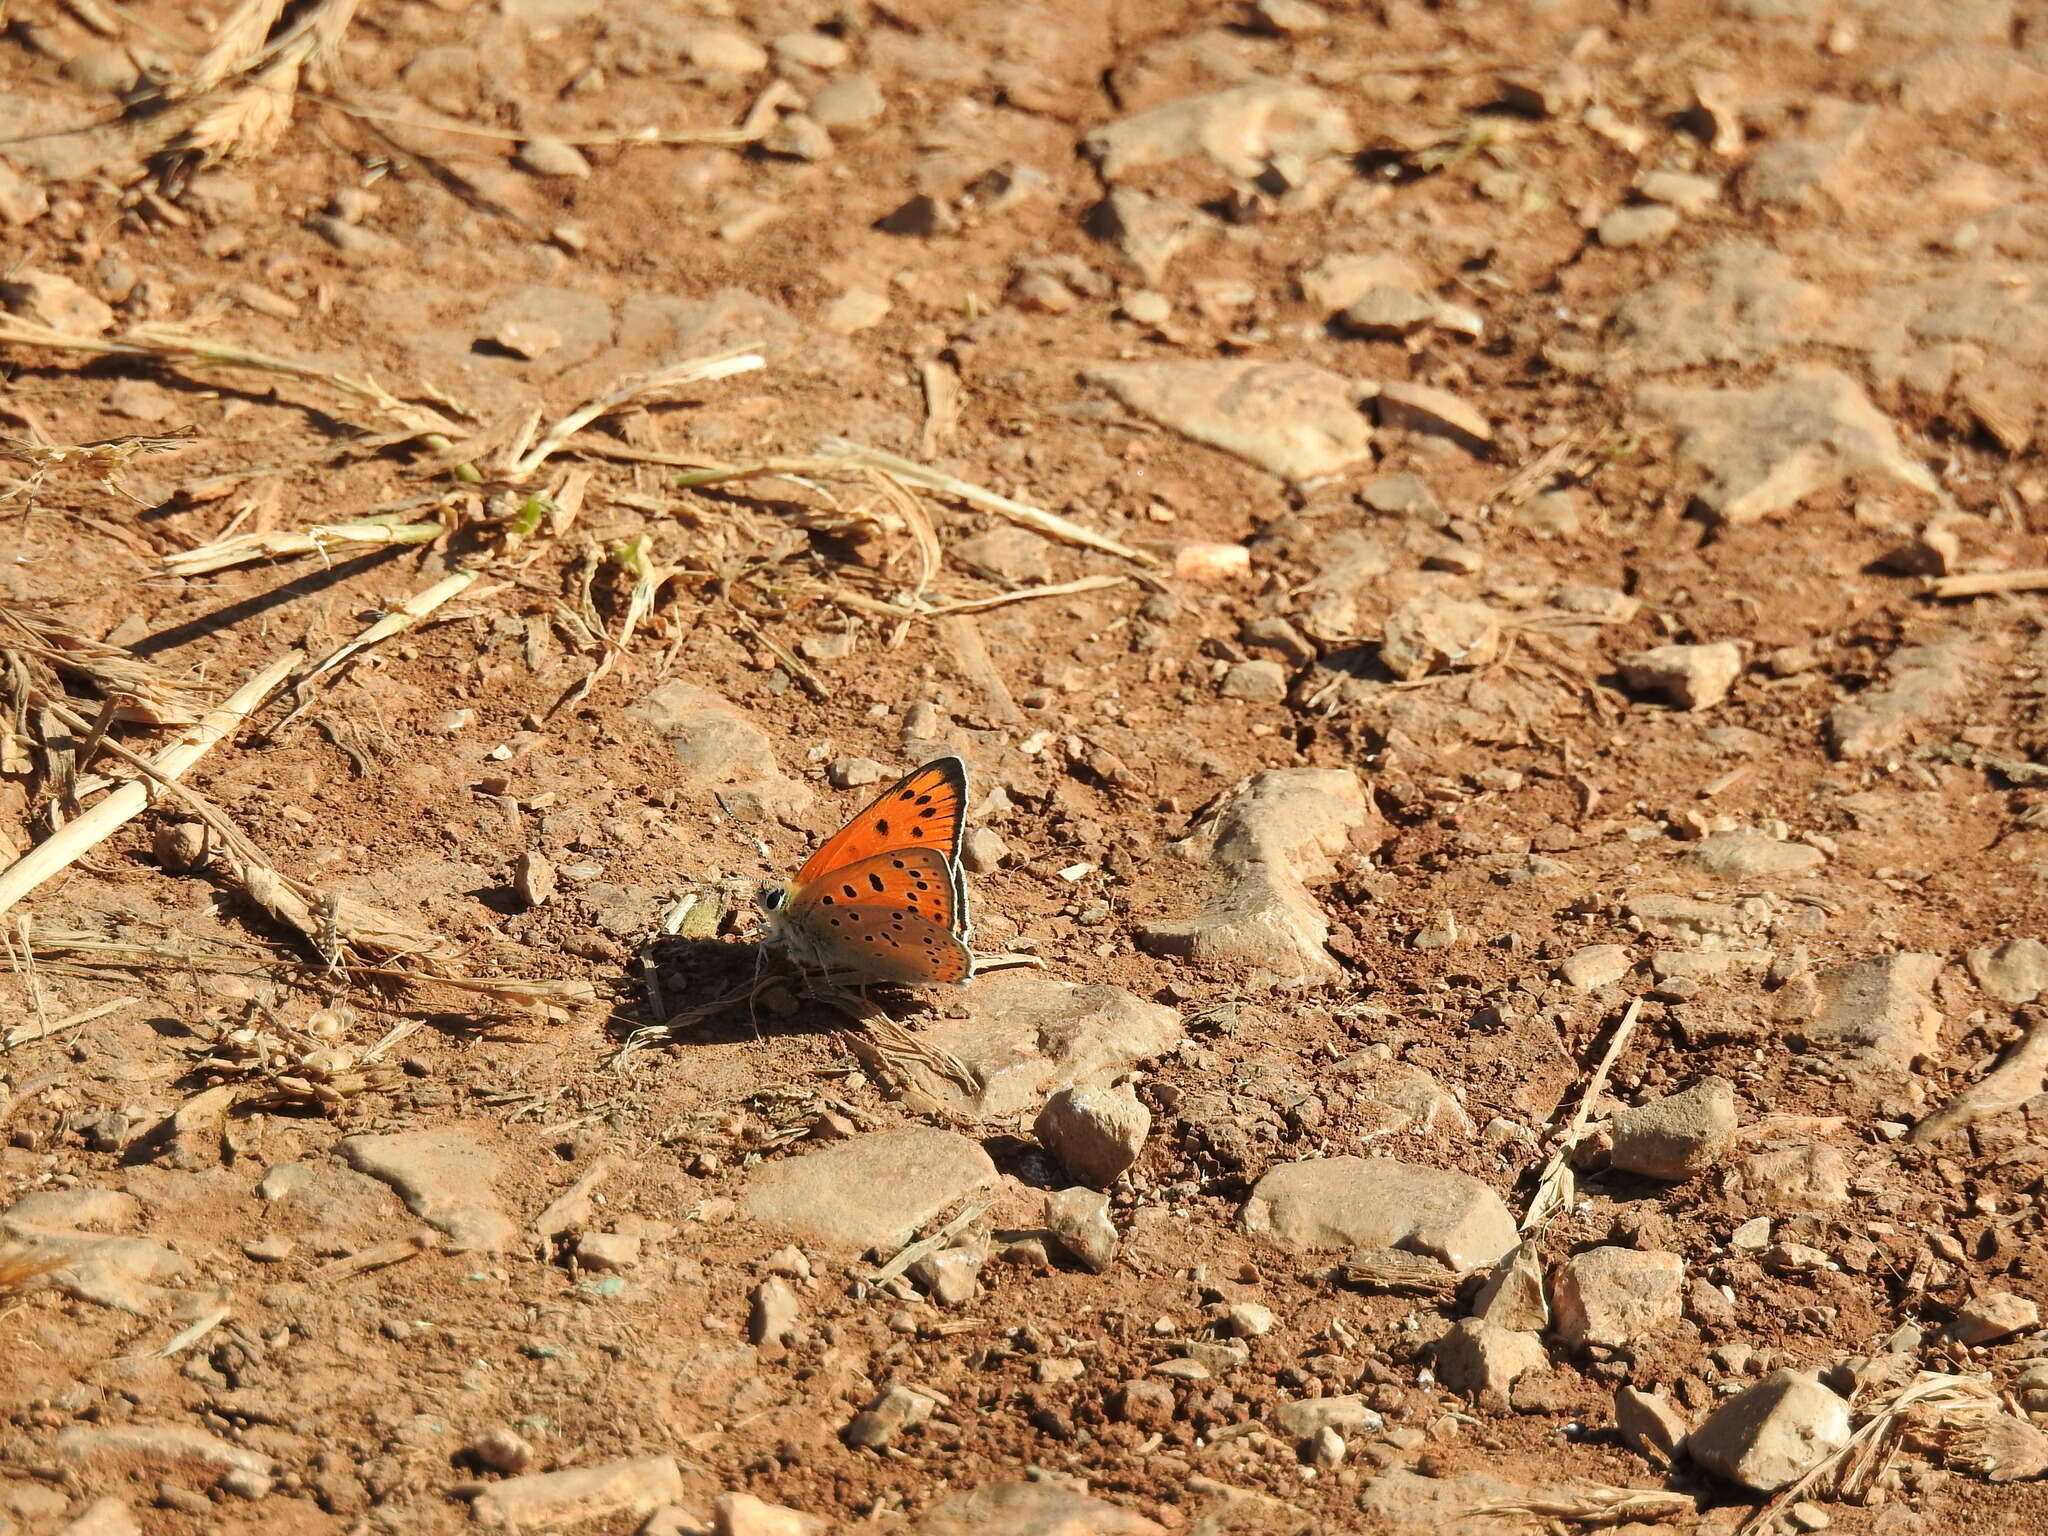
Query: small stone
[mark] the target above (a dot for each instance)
(1425, 408)
(1342, 1203)
(1650, 1424)
(274, 1248)
(1809, 1516)
(1515, 1296)
(1301, 1418)
(983, 851)
(502, 1449)
(855, 310)
(852, 101)
(445, 1177)
(637, 1488)
(1095, 1131)
(895, 1409)
(741, 1514)
(1595, 966)
(1290, 18)
(854, 772)
(726, 53)
(22, 199)
(1615, 1297)
(1678, 1136)
(47, 298)
(1437, 633)
(951, 1278)
(1689, 676)
(1484, 1362)
(103, 1517)
(533, 878)
(1751, 1235)
(608, 1253)
(1326, 1448)
(1043, 294)
(2014, 972)
(1079, 1219)
(1389, 314)
(1687, 193)
(873, 1191)
(798, 136)
(1809, 1178)
(1250, 1320)
(1146, 307)
(809, 50)
(773, 1316)
(1766, 1436)
(1994, 1315)
(1255, 682)
(553, 157)
(919, 217)
(1644, 224)
(1210, 564)
(1792, 1259)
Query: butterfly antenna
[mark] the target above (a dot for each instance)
(760, 843)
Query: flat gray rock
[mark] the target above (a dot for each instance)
(1294, 420)
(446, 1178)
(874, 1191)
(1333, 1203)
(1239, 130)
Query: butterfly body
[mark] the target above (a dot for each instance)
(884, 898)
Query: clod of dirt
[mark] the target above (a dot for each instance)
(1096, 1130)
(1439, 633)
(1689, 676)
(1616, 1297)
(1379, 1202)
(446, 1178)
(1765, 450)
(1766, 1436)
(1294, 420)
(1272, 833)
(1678, 1136)
(1810, 1177)
(874, 1191)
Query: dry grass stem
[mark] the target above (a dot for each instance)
(698, 370)
(940, 1240)
(76, 838)
(2021, 1075)
(1931, 1400)
(246, 548)
(182, 351)
(1556, 1186)
(28, 1034)
(1594, 1505)
(1985, 583)
(1051, 524)
(109, 456)
(759, 119)
(144, 693)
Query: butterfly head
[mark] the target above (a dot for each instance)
(771, 899)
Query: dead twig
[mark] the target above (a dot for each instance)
(100, 821)
(1556, 1186)
(698, 370)
(246, 548)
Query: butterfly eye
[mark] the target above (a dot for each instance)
(771, 898)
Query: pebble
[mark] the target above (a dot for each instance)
(1647, 224)
(854, 772)
(1746, 856)
(1250, 1320)
(1678, 1136)
(1681, 190)
(1615, 1297)
(798, 136)
(1095, 1130)
(1483, 1362)
(1243, 129)
(533, 878)
(851, 101)
(1341, 1203)
(1290, 18)
(809, 50)
(446, 1177)
(874, 1191)
(983, 851)
(1875, 1014)
(1766, 1436)
(1688, 676)
(553, 157)
(894, 1409)
(1346, 1413)
(1994, 1315)
(2013, 972)
(1425, 408)
(1650, 1423)
(634, 1487)
(22, 199)
(1514, 1296)
(1439, 633)
(1595, 966)
(274, 1248)
(176, 1444)
(1079, 1219)
(47, 298)
(1145, 1403)
(774, 1312)
(951, 1278)
(723, 52)
(1255, 682)
(719, 749)
(607, 1252)
(503, 1450)
(1146, 307)
(1294, 420)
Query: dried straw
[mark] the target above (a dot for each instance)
(143, 693)
(698, 370)
(1594, 1505)
(1556, 1186)
(246, 548)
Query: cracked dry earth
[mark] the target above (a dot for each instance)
(1485, 562)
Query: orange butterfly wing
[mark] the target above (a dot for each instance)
(896, 917)
(927, 809)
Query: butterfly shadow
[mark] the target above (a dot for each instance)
(711, 991)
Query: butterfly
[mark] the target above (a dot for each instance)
(884, 897)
